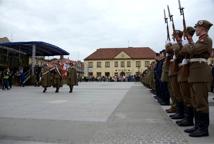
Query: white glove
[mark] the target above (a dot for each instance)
(184, 62)
(167, 54)
(173, 42)
(184, 42)
(174, 57)
(167, 42)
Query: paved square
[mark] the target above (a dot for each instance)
(88, 102)
(95, 113)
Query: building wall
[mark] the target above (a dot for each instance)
(112, 70)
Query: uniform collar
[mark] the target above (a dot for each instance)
(203, 36)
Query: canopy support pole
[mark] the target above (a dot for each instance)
(33, 58)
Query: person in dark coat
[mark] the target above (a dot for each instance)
(72, 77)
(57, 78)
(46, 78)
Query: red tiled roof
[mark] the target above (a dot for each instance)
(133, 52)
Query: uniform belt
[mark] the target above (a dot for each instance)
(185, 63)
(200, 60)
(180, 64)
(172, 60)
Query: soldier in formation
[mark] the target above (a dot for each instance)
(187, 73)
(72, 77)
(52, 77)
(46, 79)
(199, 77)
(57, 78)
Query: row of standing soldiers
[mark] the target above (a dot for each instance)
(52, 77)
(184, 77)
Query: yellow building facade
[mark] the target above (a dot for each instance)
(122, 63)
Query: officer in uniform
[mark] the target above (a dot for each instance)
(174, 73)
(57, 78)
(46, 77)
(152, 79)
(72, 77)
(169, 56)
(165, 99)
(183, 74)
(199, 76)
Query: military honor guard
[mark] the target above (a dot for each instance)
(183, 74)
(46, 78)
(199, 77)
(71, 77)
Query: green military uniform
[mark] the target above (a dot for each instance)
(170, 52)
(152, 77)
(46, 80)
(199, 76)
(72, 78)
(173, 69)
(57, 79)
(183, 74)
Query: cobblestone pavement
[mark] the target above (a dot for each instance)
(96, 113)
(139, 120)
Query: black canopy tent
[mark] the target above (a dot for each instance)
(34, 48)
(42, 48)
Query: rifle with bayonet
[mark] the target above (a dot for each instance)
(171, 19)
(53, 68)
(184, 21)
(167, 25)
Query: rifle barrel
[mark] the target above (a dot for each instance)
(179, 3)
(169, 12)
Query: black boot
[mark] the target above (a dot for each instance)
(71, 89)
(188, 117)
(57, 90)
(190, 130)
(45, 89)
(203, 125)
(179, 111)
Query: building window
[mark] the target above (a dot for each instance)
(107, 64)
(116, 73)
(147, 63)
(98, 64)
(122, 64)
(90, 74)
(107, 74)
(98, 74)
(116, 64)
(128, 64)
(138, 64)
(90, 64)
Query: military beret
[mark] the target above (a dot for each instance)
(190, 30)
(204, 23)
(178, 33)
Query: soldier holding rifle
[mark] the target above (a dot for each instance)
(183, 72)
(166, 65)
(57, 77)
(199, 76)
(173, 50)
(46, 78)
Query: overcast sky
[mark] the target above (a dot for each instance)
(82, 26)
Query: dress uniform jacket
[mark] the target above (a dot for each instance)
(200, 71)
(72, 77)
(46, 78)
